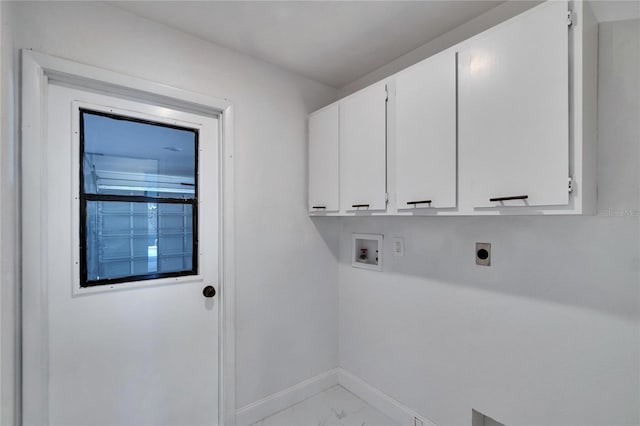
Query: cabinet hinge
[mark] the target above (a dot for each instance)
(386, 198)
(570, 184)
(386, 93)
(570, 18)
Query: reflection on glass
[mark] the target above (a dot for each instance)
(124, 157)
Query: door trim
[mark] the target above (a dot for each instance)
(38, 70)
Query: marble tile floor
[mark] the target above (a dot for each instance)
(334, 407)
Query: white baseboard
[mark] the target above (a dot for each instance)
(401, 414)
(265, 407)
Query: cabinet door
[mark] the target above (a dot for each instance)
(363, 149)
(323, 160)
(514, 111)
(426, 134)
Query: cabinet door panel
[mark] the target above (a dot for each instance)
(426, 134)
(363, 149)
(514, 111)
(323, 160)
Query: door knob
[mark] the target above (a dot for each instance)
(209, 291)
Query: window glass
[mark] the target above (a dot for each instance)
(134, 238)
(125, 157)
(138, 200)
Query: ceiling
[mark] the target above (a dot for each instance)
(334, 42)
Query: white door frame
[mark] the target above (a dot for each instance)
(38, 70)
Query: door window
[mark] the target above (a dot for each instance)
(138, 199)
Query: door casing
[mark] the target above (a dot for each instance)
(38, 70)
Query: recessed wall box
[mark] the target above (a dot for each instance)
(479, 419)
(366, 251)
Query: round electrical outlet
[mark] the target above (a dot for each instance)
(483, 254)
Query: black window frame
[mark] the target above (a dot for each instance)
(85, 198)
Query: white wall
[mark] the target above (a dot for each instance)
(490, 18)
(8, 208)
(286, 324)
(549, 334)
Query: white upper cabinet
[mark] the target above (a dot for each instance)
(514, 111)
(363, 149)
(324, 160)
(425, 134)
(503, 123)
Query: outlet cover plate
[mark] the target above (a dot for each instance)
(483, 254)
(397, 243)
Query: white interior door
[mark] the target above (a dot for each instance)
(132, 339)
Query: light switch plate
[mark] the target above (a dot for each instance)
(397, 245)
